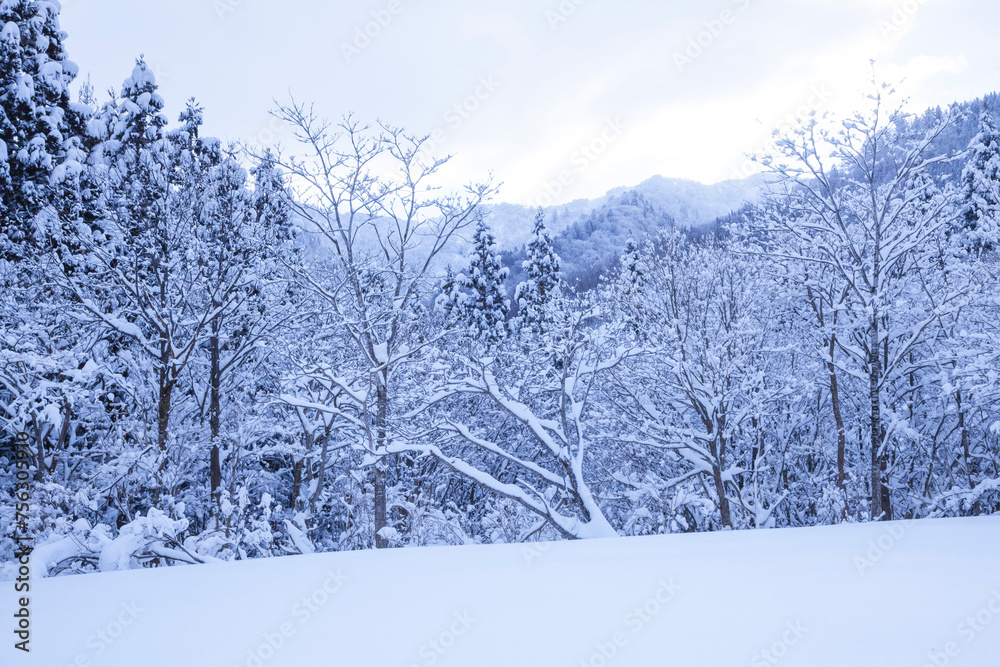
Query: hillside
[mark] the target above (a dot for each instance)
(870, 595)
(589, 234)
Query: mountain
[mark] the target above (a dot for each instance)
(589, 234)
(688, 203)
(589, 238)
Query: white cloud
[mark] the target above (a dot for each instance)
(558, 86)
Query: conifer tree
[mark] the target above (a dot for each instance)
(271, 201)
(42, 142)
(542, 286)
(981, 185)
(146, 263)
(485, 309)
(633, 269)
(449, 297)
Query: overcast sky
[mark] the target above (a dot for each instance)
(677, 88)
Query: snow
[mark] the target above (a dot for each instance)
(859, 595)
(24, 88)
(52, 552)
(118, 554)
(10, 33)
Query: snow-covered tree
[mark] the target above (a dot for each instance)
(981, 185)
(143, 277)
(632, 267)
(549, 398)
(534, 295)
(385, 233)
(43, 148)
(484, 308)
(708, 385)
(42, 135)
(865, 219)
(449, 297)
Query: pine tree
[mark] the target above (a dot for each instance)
(42, 142)
(135, 163)
(485, 309)
(542, 287)
(271, 201)
(981, 181)
(633, 269)
(449, 296)
(148, 272)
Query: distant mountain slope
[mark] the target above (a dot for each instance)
(687, 203)
(590, 234)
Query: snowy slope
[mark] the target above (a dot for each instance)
(813, 597)
(688, 203)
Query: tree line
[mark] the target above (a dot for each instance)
(227, 352)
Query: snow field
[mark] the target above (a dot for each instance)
(901, 594)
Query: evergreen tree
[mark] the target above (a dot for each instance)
(271, 201)
(148, 269)
(981, 180)
(42, 143)
(543, 268)
(633, 269)
(485, 309)
(449, 296)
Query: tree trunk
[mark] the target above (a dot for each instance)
(320, 476)
(841, 432)
(294, 498)
(875, 378)
(718, 451)
(164, 391)
(966, 447)
(215, 416)
(381, 418)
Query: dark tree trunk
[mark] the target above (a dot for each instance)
(878, 464)
(215, 416)
(718, 452)
(381, 419)
(841, 431)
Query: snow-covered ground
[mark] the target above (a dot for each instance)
(902, 594)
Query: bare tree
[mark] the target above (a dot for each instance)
(856, 203)
(371, 201)
(550, 393)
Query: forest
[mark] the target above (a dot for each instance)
(224, 352)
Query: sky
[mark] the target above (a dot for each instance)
(558, 99)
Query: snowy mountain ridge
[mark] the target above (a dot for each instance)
(689, 203)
